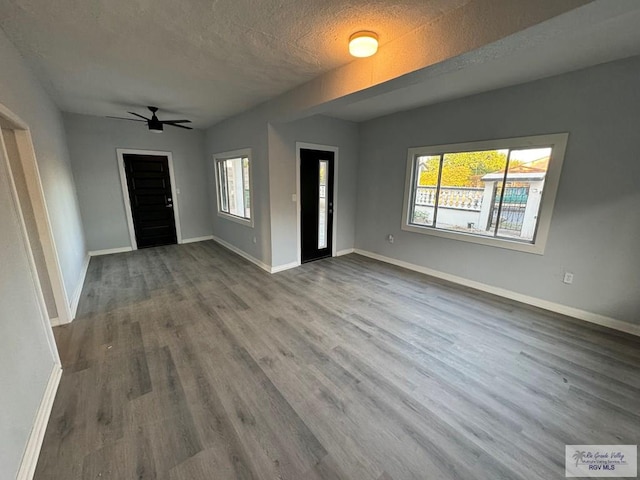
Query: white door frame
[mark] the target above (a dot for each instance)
(27, 155)
(125, 190)
(334, 235)
(38, 205)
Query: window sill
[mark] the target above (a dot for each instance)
(535, 248)
(247, 222)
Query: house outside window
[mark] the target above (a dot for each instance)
(497, 193)
(233, 185)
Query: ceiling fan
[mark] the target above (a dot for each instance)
(155, 125)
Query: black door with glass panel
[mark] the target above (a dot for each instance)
(151, 200)
(316, 203)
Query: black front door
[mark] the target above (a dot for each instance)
(151, 199)
(316, 202)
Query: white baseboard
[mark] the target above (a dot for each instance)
(109, 251)
(282, 268)
(197, 239)
(78, 291)
(34, 444)
(288, 266)
(519, 297)
(242, 253)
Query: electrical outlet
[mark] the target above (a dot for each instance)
(568, 278)
(255, 240)
(390, 238)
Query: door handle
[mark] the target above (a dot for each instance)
(169, 205)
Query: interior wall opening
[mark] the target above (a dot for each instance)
(20, 181)
(17, 145)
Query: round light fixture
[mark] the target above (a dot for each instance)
(363, 44)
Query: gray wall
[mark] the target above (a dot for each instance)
(21, 93)
(244, 131)
(92, 145)
(25, 351)
(274, 180)
(282, 175)
(596, 222)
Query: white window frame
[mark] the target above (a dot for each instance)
(558, 143)
(221, 157)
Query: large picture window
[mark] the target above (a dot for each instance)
(498, 192)
(233, 183)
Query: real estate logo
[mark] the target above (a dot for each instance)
(601, 461)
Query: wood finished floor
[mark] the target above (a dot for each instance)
(187, 362)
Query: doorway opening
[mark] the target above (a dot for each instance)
(316, 201)
(16, 146)
(150, 198)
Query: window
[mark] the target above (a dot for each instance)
(233, 181)
(498, 192)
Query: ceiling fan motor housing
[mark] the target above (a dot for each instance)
(155, 125)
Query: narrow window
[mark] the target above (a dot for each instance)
(233, 179)
(322, 205)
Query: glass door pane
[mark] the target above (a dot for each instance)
(322, 205)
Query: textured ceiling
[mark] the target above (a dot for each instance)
(599, 32)
(205, 60)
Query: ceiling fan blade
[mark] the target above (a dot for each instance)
(124, 118)
(176, 121)
(138, 115)
(176, 125)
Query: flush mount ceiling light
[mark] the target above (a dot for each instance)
(363, 44)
